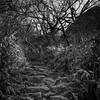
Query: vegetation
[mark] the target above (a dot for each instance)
(49, 49)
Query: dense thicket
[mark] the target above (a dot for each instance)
(49, 49)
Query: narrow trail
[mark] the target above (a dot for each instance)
(35, 82)
(39, 84)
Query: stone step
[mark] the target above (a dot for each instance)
(58, 97)
(35, 89)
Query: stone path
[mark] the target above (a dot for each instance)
(38, 83)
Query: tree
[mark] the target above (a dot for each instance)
(43, 17)
(48, 17)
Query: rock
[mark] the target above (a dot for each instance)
(26, 98)
(37, 89)
(49, 81)
(58, 97)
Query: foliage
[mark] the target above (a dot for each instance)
(39, 27)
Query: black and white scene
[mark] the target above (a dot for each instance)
(49, 49)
